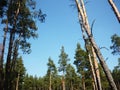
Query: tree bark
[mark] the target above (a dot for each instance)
(85, 23)
(63, 81)
(93, 74)
(96, 70)
(50, 81)
(7, 85)
(89, 58)
(17, 81)
(83, 81)
(116, 11)
(1, 58)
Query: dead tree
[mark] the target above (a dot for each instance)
(86, 26)
(115, 9)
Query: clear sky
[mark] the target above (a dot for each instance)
(62, 28)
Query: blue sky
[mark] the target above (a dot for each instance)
(62, 28)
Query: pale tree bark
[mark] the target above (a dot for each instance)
(93, 74)
(63, 83)
(82, 13)
(115, 9)
(96, 70)
(95, 87)
(17, 81)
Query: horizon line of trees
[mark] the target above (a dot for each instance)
(71, 78)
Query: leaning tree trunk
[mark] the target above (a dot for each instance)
(116, 11)
(96, 67)
(95, 87)
(82, 13)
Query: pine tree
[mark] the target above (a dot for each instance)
(82, 64)
(52, 71)
(115, 39)
(63, 61)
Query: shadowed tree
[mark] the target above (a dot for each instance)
(116, 74)
(115, 39)
(22, 27)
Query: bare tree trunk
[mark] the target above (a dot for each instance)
(93, 73)
(89, 56)
(96, 70)
(116, 11)
(17, 81)
(82, 13)
(63, 83)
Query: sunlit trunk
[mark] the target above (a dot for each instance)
(84, 20)
(93, 74)
(115, 9)
(17, 81)
(96, 70)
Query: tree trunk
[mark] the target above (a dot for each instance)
(17, 82)
(96, 70)
(50, 82)
(83, 82)
(116, 11)
(71, 88)
(1, 59)
(95, 86)
(7, 85)
(63, 81)
(7, 69)
(93, 74)
(82, 13)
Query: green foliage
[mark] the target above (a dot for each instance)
(115, 39)
(63, 59)
(81, 59)
(83, 66)
(72, 79)
(3, 4)
(116, 74)
(51, 67)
